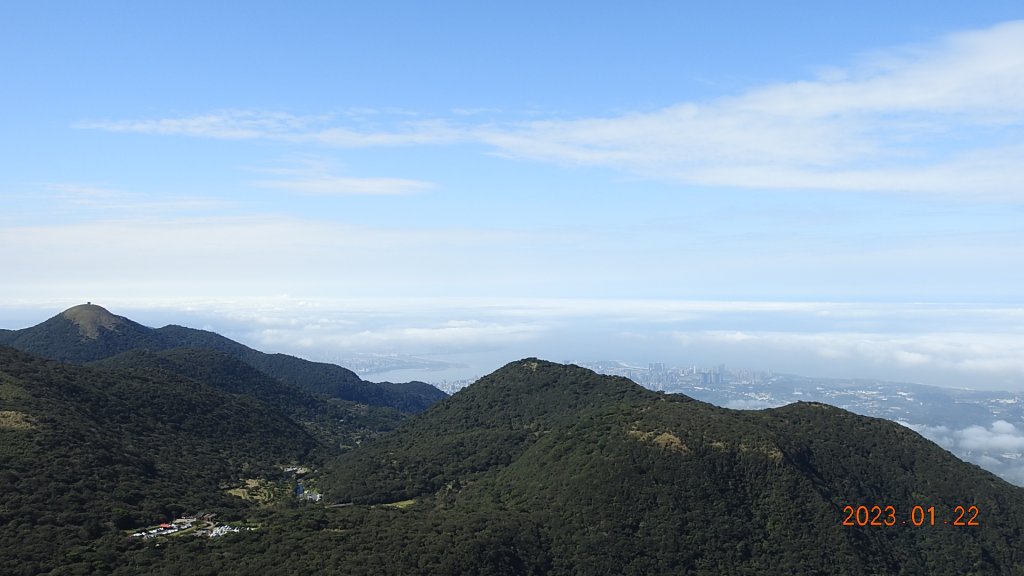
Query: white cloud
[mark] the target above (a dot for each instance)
(941, 435)
(998, 447)
(944, 118)
(987, 353)
(84, 193)
(982, 358)
(281, 126)
(750, 404)
(1004, 427)
(1001, 437)
(422, 132)
(327, 185)
(108, 199)
(226, 124)
(314, 176)
(923, 120)
(422, 336)
(260, 255)
(975, 73)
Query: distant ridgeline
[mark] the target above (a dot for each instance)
(89, 333)
(538, 468)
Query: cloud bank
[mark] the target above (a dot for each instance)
(909, 342)
(942, 351)
(998, 447)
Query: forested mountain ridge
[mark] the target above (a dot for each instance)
(334, 422)
(89, 333)
(538, 468)
(85, 452)
(619, 479)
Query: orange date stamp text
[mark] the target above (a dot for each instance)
(918, 516)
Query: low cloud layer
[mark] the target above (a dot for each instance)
(998, 447)
(998, 354)
(907, 342)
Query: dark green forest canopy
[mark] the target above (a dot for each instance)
(619, 479)
(539, 468)
(334, 422)
(96, 451)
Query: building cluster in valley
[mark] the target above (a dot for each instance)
(302, 493)
(209, 527)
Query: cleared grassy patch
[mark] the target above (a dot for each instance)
(665, 440)
(260, 491)
(11, 420)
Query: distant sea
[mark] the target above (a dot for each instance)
(461, 369)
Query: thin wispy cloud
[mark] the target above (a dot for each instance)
(284, 127)
(327, 185)
(224, 124)
(84, 193)
(109, 200)
(421, 132)
(314, 176)
(945, 118)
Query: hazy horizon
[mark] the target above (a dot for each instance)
(829, 190)
(480, 336)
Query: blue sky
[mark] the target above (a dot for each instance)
(805, 186)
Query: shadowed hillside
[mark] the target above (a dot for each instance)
(89, 333)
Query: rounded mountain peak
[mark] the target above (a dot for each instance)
(90, 318)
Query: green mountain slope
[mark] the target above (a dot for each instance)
(620, 480)
(481, 429)
(85, 452)
(538, 469)
(548, 469)
(88, 333)
(334, 422)
(81, 334)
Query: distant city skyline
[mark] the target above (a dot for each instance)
(817, 188)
